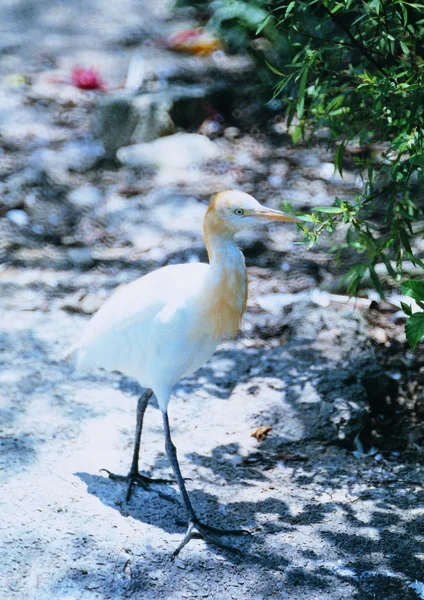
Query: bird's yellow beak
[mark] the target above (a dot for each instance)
(272, 215)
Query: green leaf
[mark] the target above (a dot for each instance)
(405, 48)
(417, 5)
(415, 261)
(376, 281)
(338, 159)
(297, 133)
(406, 309)
(404, 14)
(265, 23)
(290, 8)
(290, 115)
(414, 329)
(301, 94)
(413, 289)
(375, 5)
(329, 209)
(273, 69)
(405, 240)
(388, 266)
(353, 279)
(417, 159)
(308, 218)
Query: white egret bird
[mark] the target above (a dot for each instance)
(168, 323)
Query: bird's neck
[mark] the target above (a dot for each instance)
(222, 250)
(227, 293)
(224, 255)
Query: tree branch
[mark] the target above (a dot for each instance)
(355, 42)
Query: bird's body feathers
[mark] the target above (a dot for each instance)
(165, 325)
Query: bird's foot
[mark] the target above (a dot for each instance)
(136, 478)
(196, 530)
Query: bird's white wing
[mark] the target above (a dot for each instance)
(119, 333)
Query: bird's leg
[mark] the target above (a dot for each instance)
(195, 527)
(134, 477)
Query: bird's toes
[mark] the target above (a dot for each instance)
(204, 527)
(196, 531)
(218, 531)
(135, 478)
(149, 480)
(114, 476)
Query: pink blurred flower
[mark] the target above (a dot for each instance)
(87, 79)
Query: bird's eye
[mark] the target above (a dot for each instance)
(239, 211)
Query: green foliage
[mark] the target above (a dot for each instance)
(356, 69)
(246, 26)
(359, 71)
(414, 327)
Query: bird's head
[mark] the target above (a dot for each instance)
(232, 210)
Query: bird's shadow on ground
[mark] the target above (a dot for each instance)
(148, 507)
(384, 562)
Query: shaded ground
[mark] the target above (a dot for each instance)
(327, 523)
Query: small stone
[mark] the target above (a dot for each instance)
(87, 304)
(231, 133)
(91, 303)
(18, 217)
(85, 197)
(80, 256)
(379, 335)
(275, 181)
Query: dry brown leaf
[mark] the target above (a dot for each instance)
(261, 432)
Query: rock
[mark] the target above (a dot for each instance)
(87, 304)
(181, 151)
(275, 181)
(124, 118)
(379, 334)
(153, 117)
(87, 196)
(231, 133)
(115, 121)
(18, 217)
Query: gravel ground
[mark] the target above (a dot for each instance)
(329, 519)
